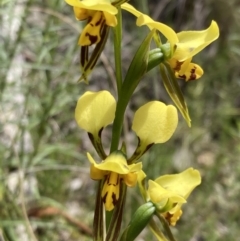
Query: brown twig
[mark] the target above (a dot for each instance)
(53, 211)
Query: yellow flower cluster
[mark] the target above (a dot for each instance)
(183, 45)
(153, 122)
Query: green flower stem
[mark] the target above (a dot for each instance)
(165, 227)
(97, 143)
(155, 229)
(117, 50)
(99, 218)
(117, 125)
(137, 69)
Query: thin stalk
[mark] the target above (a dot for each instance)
(154, 228)
(117, 50)
(117, 125)
(166, 227)
(99, 219)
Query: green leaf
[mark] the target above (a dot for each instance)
(139, 221)
(174, 91)
(136, 70)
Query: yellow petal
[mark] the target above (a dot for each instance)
(81, 13)
(128, 7)
(143, 19)
(96, 174)
(135, 167)
(173, 217)
(141, 176)
(110, 191)
(91, 32)
(186, 70)
(103, 5)
(160, 195)
(192, 72)
(115, 162)
(155, 122)
(130, 179)
(168, 32)
(182, 183)
(178, 66)
(192, 42)
(111, 20)
(95, 110)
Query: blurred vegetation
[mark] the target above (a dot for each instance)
(45, 192)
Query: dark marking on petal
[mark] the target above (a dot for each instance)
(104, 197)
(93, 38)
(193, 76)
(168, 217)
(178, 66)
(84, 56)
(108, 177)
(182, 76)
(114, 199)
(100, 20)
(118, 180)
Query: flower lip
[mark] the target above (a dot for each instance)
(115, 162)
(169, 192)
(103, 5)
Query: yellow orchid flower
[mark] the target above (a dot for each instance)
(98, 13)
(183, 45)
(113, 169)
(169, 192)
(189, 44)
(153, 123)
(94, 111)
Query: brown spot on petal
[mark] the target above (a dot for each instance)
(104, 197)
(189, 76)
(99, 21)
(92, 38)
(114, 199)
(193, 76)
(178, 66)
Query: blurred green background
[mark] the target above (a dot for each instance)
(45, 191)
